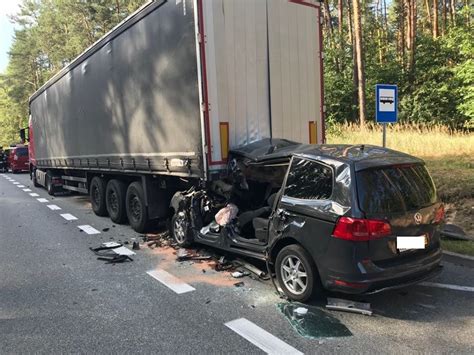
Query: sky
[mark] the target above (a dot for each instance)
(7, 7)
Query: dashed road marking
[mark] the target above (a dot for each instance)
(88, 229)
(260, 337)
(34, 194)
(54, 207)
(171, 281)
(42, 200)
(69, 217)
(448, 286)
(27, 190)
(16, 183)
(20, 186)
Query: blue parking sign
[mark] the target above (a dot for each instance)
(386, 103)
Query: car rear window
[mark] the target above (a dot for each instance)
(395, 189)
(21, 152)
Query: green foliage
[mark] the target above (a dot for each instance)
(51, 34)
(438, 90)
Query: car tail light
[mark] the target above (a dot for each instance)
(439, 216)
(349, 284)
(357, 229)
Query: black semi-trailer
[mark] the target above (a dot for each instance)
(156, 104)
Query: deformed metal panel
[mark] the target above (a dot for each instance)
(132, 105)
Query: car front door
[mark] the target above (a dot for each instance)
(303, 211)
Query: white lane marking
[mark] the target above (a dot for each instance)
(123, 251)
(54, 207)
(448, 286)
(34, 194)
(88, 229)
(171, 281)
(260, 337)
(69, 217)
(27, 190)
(42, 200)
(20, 186)
(16, 183)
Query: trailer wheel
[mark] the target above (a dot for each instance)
(97, 195)
(115, 201)
(136, 208)
(181, 229)
(49, 184)
(33, 177)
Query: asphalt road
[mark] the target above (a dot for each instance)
(56, 297)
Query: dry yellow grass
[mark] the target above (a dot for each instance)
(427, 142)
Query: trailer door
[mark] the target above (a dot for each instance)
(261, 73)
(296, 70)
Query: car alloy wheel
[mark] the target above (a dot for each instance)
(294, 274)
(180, 228)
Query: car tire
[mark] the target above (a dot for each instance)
(290, 273)
(14, 171)
(137, 212)
(181, 229)
(115, 194)
(97, 195)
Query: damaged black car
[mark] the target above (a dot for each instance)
(353, 219)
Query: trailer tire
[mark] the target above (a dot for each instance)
(49, 184)
(115, 194)
(137, 212)
(35, 180)
(97, 194)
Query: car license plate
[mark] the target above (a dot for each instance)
(406, 242)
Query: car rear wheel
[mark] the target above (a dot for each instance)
(181, 229)
(97, 195)
(115, 201)
(296, 273)
(136, 207)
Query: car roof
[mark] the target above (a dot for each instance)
(361, 156)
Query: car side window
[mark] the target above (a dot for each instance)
(309, 180)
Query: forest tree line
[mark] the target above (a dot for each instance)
(426, 47)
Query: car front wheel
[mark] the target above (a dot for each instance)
(181, 229)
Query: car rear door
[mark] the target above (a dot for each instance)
(405, 196)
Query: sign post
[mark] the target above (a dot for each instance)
(386, 102)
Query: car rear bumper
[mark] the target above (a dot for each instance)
(382, 279)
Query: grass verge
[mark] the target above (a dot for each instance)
(458, 246)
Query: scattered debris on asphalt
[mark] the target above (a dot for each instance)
(452, 231)
(115, 259)
(105, 229)
(337, 304)
(252, 268)
(314, 323)
(239, 284)
(113, 253)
